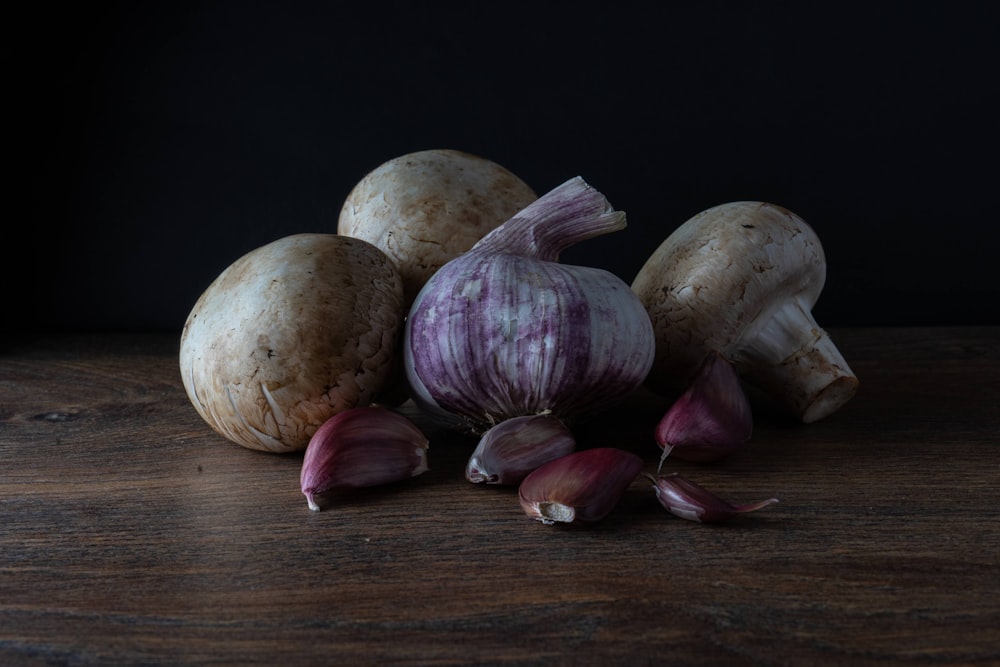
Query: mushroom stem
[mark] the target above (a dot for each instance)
(741, 279)
(790, 356)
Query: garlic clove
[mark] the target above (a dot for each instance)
(513, 448)
(711, 419)
(361, 447)
(688, 500)
(583, 486)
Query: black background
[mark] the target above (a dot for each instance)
(158, 142)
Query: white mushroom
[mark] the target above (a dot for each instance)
(428, 207)
(741, 279)
(290, 334)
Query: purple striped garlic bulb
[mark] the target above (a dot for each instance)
(505, 330)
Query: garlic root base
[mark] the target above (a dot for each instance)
(550, 513)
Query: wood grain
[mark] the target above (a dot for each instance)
(130, 533)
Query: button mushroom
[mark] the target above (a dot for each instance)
(428, 207)
(741, 279)
(289, 335)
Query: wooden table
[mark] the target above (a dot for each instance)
(130, 533)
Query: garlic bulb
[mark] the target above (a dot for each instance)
(505, 330)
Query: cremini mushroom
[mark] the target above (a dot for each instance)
(741, 279)
(426, 208)
(289, 335)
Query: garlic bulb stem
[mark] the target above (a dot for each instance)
(565, 216)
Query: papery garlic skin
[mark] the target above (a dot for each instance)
(584, 486)
(362, 447)
(691, 501)
(711, 419)
(505, 330)
(515, 447)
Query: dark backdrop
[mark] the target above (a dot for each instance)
(161, 141)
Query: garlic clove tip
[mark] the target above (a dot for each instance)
(311, 500)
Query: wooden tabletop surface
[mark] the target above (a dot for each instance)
(131, 533)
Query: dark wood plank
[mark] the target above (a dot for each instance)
(131, 533)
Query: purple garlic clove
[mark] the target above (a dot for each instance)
(684, 498)
(583, 486)
(513, 448)
(362, 447)
(711, 420)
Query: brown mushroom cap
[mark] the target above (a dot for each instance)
(428, 207)
(741, 279)
(290, 334)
